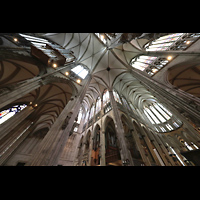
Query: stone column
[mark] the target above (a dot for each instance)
(11, 123)
(158, 147)
(102, 148)
(150, 145)
(9, 143)
(102, 151)
(169, 95)
(125, 153)
(140, 148)
(53, 143)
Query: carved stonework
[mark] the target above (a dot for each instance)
(65, 123)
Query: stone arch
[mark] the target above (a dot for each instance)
(87, 141)
(112, 145)
(106, 120)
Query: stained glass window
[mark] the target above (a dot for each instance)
(106, 98)
(116, 96)
(91, 112)
(8, 113)
(80, 71)
(163, 43)
(86, 116)
(142, 62)
(162, 118)
(157, 113)
(98, 105)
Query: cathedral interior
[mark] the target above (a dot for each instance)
(99, 99)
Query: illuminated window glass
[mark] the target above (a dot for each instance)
(98, 105)
(91, 112)
(116, 96)
(148, 116)
(163, 43)
(167, 111)
(153, 117)
(38, 42)
(158, 115)
(162, 112)
(86, 116)
(106, 98)
(101, 37)
(7, 114)
(80, 71)
(142, 62)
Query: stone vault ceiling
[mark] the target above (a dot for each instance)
(107, 66)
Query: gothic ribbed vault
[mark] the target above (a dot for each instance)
(105, 64)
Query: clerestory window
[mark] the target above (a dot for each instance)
(98, 105)
(116, 96)
(157, 113)
(163, 43)
(161, 118)
(91, 112)
(80, 71)
(142, 62)
(175, 41)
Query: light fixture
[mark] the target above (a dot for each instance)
(78, 80)
(169, 57)
(54, 65)
(15, 39)
(188, 42)
(154, 70)
(66, 73)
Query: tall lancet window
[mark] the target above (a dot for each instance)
(106, 97)
(116, 96)
(98, 105)
(161, 117)
(163, 43)
(142, 62)
(106, 101)
(91, 112)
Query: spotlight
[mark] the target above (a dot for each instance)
(54, 65)
(154, 70)
(15, 39)
(66, 73)
(78, 81)
(169, 57)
